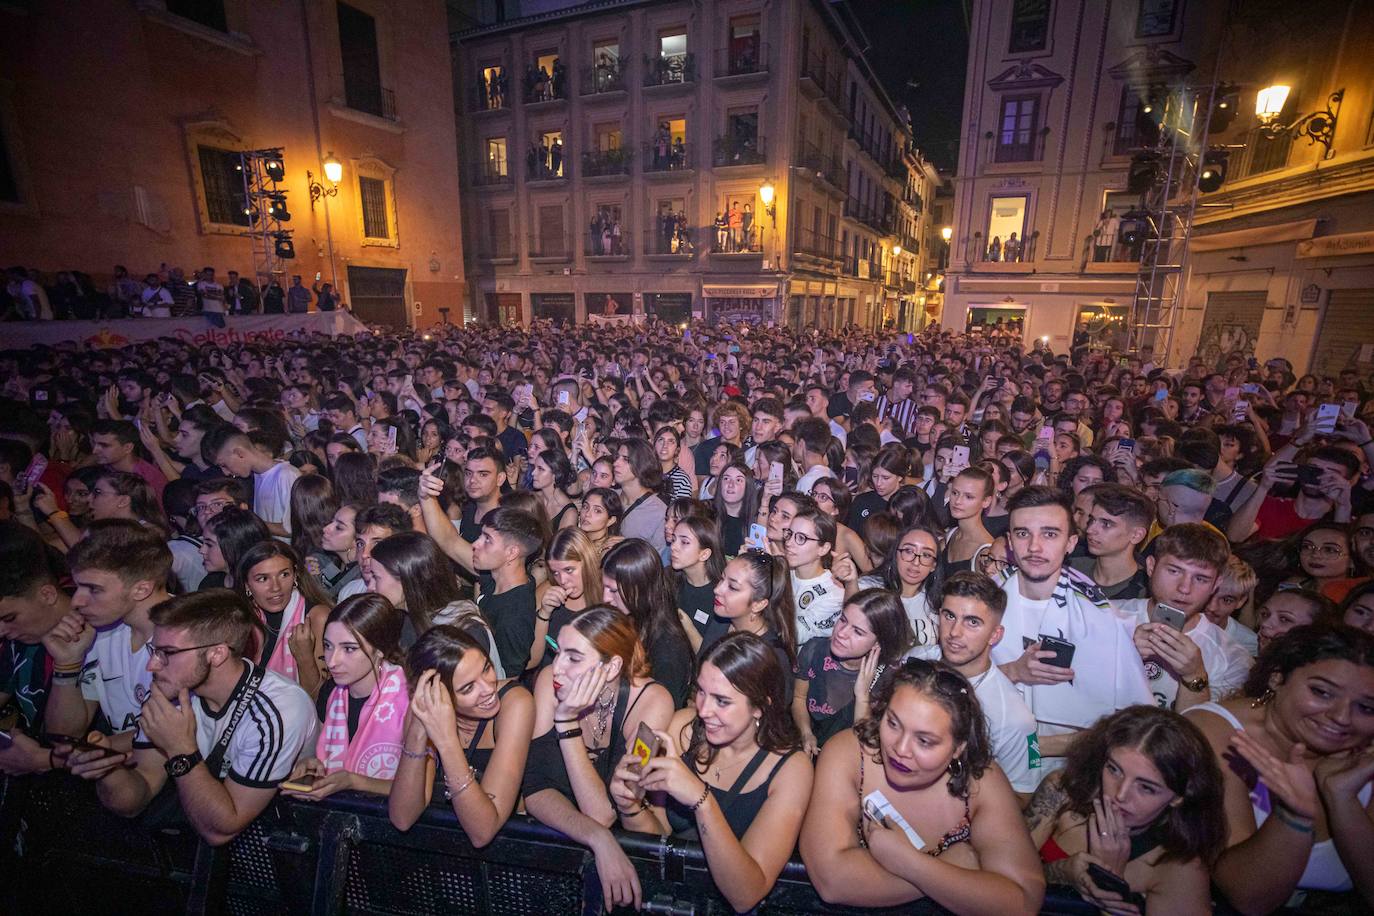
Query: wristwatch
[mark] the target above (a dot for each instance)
(182, 764)
(1197, 684)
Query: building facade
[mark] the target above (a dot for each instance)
(120, 125)
(1062, 95)
(722, 160)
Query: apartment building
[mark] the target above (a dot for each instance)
(718, 159)
(1062, 94)
(121, 124)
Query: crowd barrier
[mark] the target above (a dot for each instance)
(63, 854)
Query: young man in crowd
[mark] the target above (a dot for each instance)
(114, 445)
(225, 763)
(505, 589)
(120, 570)
(1117, 523)
(970, 621)
(1188, 659)
(341, 410)
(373, 525)
(238, 455)
(811, 442)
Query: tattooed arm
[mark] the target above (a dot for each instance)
(1042, 815)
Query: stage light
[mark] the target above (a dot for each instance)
(276, 206)
(275, 169)
(1213, 172)
(285, 248)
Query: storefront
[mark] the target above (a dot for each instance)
(670, 308)
(609, 305)
(752, 304)
(1101, 326)
(505, 309)
(997, 317)
(554, 307)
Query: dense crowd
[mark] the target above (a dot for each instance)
(956, 618)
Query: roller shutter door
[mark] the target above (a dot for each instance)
(1231, 324)
(1347, 324)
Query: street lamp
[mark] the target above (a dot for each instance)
(333, 173)
(1318, 127)
(767, 196)
(947, 233)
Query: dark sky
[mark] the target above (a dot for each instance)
(923, 42)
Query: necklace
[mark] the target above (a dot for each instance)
(603, 714)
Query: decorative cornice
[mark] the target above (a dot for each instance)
(1288, 188)
(1151, 64)
(1025, 75)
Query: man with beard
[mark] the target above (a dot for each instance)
(1047, 599)
(225, 731)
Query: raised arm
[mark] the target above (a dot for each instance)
(439, 525)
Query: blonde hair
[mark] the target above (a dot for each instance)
(1239, 578)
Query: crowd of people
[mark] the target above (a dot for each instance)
(953, 617)
(168, 292)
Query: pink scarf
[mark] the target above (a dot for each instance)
(375, 750)
(282, 661)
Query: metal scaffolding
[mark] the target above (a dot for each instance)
(264, 211)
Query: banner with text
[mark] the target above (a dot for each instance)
(193, 329)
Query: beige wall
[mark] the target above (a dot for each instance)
(102, 103)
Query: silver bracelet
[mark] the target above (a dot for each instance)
(454, 793)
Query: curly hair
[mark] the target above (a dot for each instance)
(952, 691)
(1307, 645)
(1193, 829)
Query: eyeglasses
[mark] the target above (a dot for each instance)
(800, 538)
(913, 555)
(822, 496)
(161, 654)
(213, 507)
(1322, 550)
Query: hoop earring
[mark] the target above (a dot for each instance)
(1263, 699)
(956, 768)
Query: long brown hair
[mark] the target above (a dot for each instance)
(574, 546)
(1193, 829)
(613, 635)
(751, 666)
(372, 620)
(769, 579)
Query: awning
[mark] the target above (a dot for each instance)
(739, 292)
(1328, 246)
(1259, 235)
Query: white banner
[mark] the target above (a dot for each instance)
(593, 318)
(195, 330)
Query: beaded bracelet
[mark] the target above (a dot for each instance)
(705, 793)
(454, 793)
(414, 755)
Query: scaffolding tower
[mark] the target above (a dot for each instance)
(264, 211)
(1165, 220)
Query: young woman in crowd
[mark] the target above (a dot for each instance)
(574, 567)
(834, 499)
(888, 471)
(1139, 797)
(1294, 752)
(679, 508)
(766, 454)
(1357, 610)
(754, 595)
(696, 561)
(292, 610)
(588, 707)
(555, 482)
(1289, 608)
(1327, 559)
(912, 573)
(361, 704)
(355, 479)
(340, 540)
(727, 774)
(224, 539)
(313, 505)
(465, 736)
(599, 517)
(836, 674)
(908, 805)
(737, 501)
(114, 494)
(410, 571)
(970, 494)
(634, 583)
(668, 447)
(721, 457)
(809, 548)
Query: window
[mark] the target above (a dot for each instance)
(745, 54)
(209, 13)
(548, 81)
(673, 64)
(1135, 128)
(671, 235)
(1006, 226)
(608, 136)
(1030, 25)
(498, 234)
(222, 179)
(492, 92)
(736, 229)
(497, 166)
(1016, 133)
(1155, 18)
(606, 67)
(605, 234)
(550, 224)
(372, 192)
(362, 68)
(546, 160)
(1268, 153)
(668, 146)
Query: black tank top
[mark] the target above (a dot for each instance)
(739, 807)
(477, 757)
(545, 768)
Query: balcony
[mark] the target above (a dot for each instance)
(813, 244)
(607, 243)
(607, 163)
(821, 81)
(745, 240)
(489, 97)
(491, 172)
(603, 79)
(670, 243)
(747, 58)
(549, 250)
(553, 168)
(672, 70)
(1020, 147)
(870, 217)
(738, 150)
(541, 88)
(660, 158)
(497, 251)
(820, 165)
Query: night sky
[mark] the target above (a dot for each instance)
(923, 42)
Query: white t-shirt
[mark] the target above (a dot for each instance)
(1226, 661)
(818, 604)
(278, 724)
(813, 474)
(211, 296)
(116, 677)
(1247, 638)
(355, 587)
(187, 564)
(925, 625)
(272, 493)
(1011, 725)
